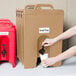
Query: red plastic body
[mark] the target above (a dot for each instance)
(7, 38)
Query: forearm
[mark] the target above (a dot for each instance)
(68, 53)
(69, 33)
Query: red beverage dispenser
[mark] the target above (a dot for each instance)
(7, 41)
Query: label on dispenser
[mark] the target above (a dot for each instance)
(44, 30)
(4, 33)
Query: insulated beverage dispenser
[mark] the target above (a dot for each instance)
(34, 24)
(7, 41)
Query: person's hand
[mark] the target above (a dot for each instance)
(48, 62)
(48, 42)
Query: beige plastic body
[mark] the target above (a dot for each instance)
(29, 38)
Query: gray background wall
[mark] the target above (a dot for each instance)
(8, 10)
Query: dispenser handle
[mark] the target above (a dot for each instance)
(38, 6)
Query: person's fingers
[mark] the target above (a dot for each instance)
(45, 42)
(43, 61)
(45, 65)
(46, 45)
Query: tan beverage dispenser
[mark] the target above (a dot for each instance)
(35, 24)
